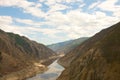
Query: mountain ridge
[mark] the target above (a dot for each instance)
(18, 52)
(66, 46)
(97, 58)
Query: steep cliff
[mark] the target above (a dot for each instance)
(98, 58)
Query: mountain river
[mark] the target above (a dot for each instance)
(51, 74)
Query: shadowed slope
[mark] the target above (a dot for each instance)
(17, 52)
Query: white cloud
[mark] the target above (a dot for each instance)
(25, 21)
(52, 2)
(94, 4)
(6, 23)
(28, 7)
(8, 3)
(74, 23)
(5, 20)
(117, 13)
(82, 5)
(35, 12)
(110, 5)
(78, 24)
(14, 29)
(43, 30)
(28, 22)
(74, 1)
(38, 5)
(57, 7)
(56, 19)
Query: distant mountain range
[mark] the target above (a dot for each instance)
(98, 58)
(66, 46)
(18, 52)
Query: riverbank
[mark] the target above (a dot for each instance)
(30, 71)
(25, 73)
(54, 70)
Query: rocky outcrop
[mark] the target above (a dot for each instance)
(98, 58)
(19, 53)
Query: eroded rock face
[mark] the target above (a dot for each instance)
(96, 59)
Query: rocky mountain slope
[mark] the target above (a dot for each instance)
(65, 47)
(98, 58)
(18, 52)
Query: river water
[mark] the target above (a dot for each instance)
(51, 74)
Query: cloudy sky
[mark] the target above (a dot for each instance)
(51, 21)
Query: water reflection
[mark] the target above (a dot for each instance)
(53, 72)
